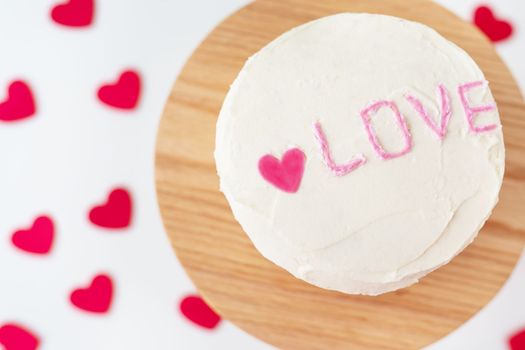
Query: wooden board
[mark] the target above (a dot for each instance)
(265, 300)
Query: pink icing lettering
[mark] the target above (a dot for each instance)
(286, 174)
(470, 111)
(372, 136)
(441, 130)
(338, 170)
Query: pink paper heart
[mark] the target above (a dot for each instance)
(496, 29)
(38, 239)
(95, 298)
(197, 311)
(19, 103)
(286, 174)
(16, 337)
(123, 94)
(115, 213)
(517, 341)
(74, 13)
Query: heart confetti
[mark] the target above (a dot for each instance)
(38, 239)
(517, 341)
(115, 213)
(16, 337)
(74, 13)
(19, 103)
(95, 298)
(496, 29)
(195, 309)
(124, 94)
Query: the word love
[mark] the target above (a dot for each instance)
(440, 129)
(286, 173)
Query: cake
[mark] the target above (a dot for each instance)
(360, 152)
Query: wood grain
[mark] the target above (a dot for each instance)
(265, 300)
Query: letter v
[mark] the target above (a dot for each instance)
(441, 130)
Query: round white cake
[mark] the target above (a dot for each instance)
(360, 152)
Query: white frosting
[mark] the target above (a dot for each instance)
(390, 222)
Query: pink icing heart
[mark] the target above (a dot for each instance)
(286, 174)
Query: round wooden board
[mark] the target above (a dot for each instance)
(265, 300)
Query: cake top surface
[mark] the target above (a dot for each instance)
(359, 152)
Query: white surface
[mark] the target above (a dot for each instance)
(389, 222)
(75, 150)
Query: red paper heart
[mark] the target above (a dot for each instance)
(286, 174)
(123, 94)
(115, 213)
(496, 29)
(15, 337)
(517, 341)
(74, 13)
(38, 239)
(96, 298)
(19, 103)
(196, 310)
